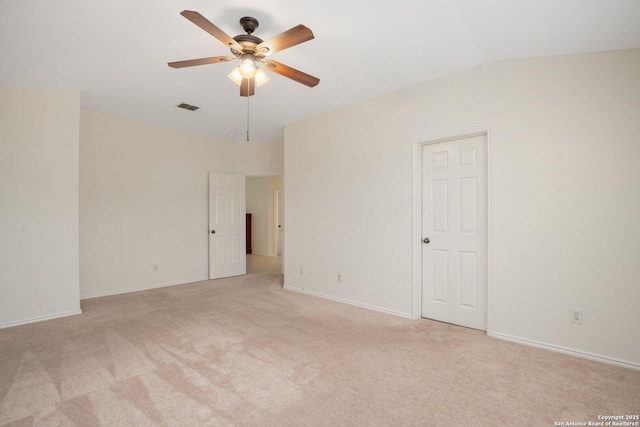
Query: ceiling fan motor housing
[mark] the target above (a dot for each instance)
(248, 41)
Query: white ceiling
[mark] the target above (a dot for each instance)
(116, 51)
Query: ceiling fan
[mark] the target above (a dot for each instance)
(250, 50)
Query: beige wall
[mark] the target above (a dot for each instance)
(565, 189)
(144, 202)
(260, 159)
(38, 204)
(91, 202)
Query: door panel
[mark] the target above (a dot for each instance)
(440, 205)
(468, 205)
(469, 279)
(440, 275)
(227, 244)
(454, 219)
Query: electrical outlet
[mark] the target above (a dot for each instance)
(156, 267)
(339, 278)
(575, 316)
(301, 271)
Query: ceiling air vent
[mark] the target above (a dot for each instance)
(188, 107)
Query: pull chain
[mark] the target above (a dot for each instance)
(248, 111)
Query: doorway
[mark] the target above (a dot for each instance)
(453, 224)
(263, 202)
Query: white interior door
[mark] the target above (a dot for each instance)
(454, 229)
(227, 232)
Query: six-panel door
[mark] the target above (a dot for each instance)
(227, 242)
(454, 219)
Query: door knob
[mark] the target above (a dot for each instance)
(213, 231)
(426, 240)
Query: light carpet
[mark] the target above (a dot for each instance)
(242, 351)
(262, 264)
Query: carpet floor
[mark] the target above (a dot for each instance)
(261, 264)
(242, 351)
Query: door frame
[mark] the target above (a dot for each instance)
(277, 195)
(417, 219)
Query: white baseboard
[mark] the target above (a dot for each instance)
(142, 288)
(569, 351)
(346, 301)
(40, 319)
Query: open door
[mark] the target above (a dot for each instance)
(227, 244)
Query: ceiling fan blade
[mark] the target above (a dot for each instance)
(201, 61)
(291, 37)
(292, 73)
(206, 25)
(247, 87)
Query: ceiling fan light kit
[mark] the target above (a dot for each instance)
(260, 77)
(248, 66)
(250, 50)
